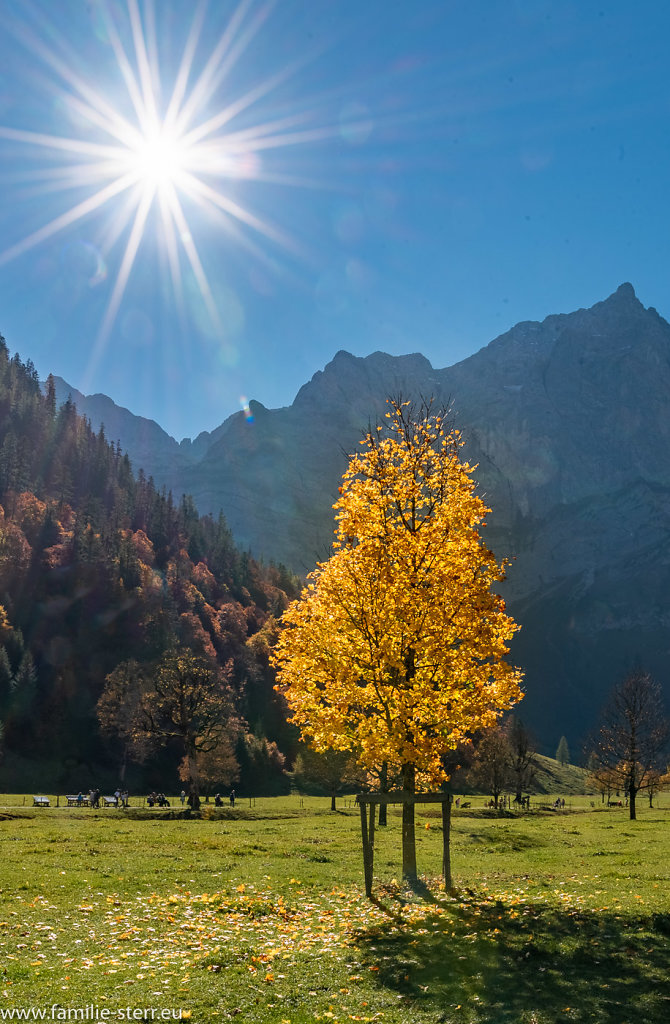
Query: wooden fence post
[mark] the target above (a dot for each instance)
(446, 842)
(367, 858)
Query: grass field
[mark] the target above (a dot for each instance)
(259, 915)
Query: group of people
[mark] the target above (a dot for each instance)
(93, 798)
(159, 799)
(218, 799)
(153, 799)
(506, 802)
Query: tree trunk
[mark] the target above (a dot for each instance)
(194, 777)
(383, 788)
(124, 763)
(332, 802)
(408, 834)
(632, 794)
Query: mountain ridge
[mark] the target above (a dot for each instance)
(567, 421)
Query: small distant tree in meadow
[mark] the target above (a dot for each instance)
(563, 752)
(634, 733)
(600, 777)
(492, 764)
(396, 648)
(523, 762)
(329, 770)
(654, 785)
(664, 780)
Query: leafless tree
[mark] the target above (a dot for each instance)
(634, 732)
(492, 766)
(524, 758)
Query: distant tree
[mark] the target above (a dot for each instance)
(327, 770)
(634, 732)
(22, 685)
(216, 768)
(187, 700)
(655, 784)
(118, 712)
(600, 777)
(664, 780)
(261, 765)
(524, 759)
(563, 752)
(50, 396)
(5, 678)
(492, 765)
(182, 698)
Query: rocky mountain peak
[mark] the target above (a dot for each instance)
(625, 292)
(347, 377)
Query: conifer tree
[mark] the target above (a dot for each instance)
(562, 751)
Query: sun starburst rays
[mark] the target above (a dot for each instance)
(146, 153)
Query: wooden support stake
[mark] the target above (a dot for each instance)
(371, 842)
(367, 858)
(446, 839)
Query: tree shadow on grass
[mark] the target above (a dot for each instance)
(480, 961)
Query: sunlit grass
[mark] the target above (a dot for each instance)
(262, 915)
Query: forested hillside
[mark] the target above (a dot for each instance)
(98, 566)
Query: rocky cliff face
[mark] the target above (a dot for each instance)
(569, 422)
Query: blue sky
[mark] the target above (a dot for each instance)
(358, 174)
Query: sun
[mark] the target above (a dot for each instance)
(167, 145)
(159, 159)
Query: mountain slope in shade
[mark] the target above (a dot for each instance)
(568, 422)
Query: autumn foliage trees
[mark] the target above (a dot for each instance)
(101, 570)
(182, 698)
(396, 648)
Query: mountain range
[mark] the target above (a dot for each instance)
(568, 422)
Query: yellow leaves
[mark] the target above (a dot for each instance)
(396, 646)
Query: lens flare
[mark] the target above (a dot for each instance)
(246, 409)
(163, 149)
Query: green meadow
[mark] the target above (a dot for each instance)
(258, 914)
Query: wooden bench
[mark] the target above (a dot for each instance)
(109, 801)
(74, 801)
(41, 801)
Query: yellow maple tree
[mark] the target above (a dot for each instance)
(396, 648)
